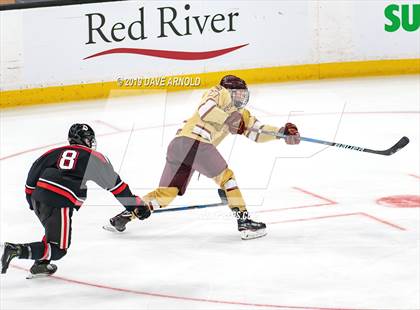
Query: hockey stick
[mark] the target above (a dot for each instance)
(223, 201)
(395, 148)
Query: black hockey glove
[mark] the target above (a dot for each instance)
(142, 211)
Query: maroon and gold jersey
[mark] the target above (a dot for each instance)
(208, 122)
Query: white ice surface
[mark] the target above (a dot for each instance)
(365, 257)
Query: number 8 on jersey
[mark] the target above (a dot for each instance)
(68, 160)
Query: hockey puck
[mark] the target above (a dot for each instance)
(400, 201)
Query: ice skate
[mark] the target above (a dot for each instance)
(10, 251)
(248, 228)
(118, 222)
(41, 268)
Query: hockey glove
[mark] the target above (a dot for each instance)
(235, 123)
(142, 211)
(291, 132)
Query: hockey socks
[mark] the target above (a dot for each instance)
(41, 251)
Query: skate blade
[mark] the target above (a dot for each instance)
(249, 234)
(38, 276)
(111, 228)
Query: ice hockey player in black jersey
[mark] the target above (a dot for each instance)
(56, 185)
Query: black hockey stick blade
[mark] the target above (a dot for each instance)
(398, 146)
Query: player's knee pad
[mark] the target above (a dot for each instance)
(56, 252)
(226, 180)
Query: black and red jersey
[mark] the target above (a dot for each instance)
(58, 178)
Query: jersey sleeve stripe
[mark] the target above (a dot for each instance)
(206, 107)
(258, 134)
(28, 191)
(116, 186)
(119, 189)
(253, 135)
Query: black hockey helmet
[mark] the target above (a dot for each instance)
(82, 134)
(237, 88)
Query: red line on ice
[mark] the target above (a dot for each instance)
(328, 202)
(293, 208)
(414, 176)
(185, 298)
(31, 150)
(315, 195)
(257, 109)
(340, 215)
(382, 221)
(99, 135)
(313, 218)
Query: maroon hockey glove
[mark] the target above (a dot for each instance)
(142, 211)
(235, 123)
(291, 132)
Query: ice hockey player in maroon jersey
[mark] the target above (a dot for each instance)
(221, 112)
(56, 185)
